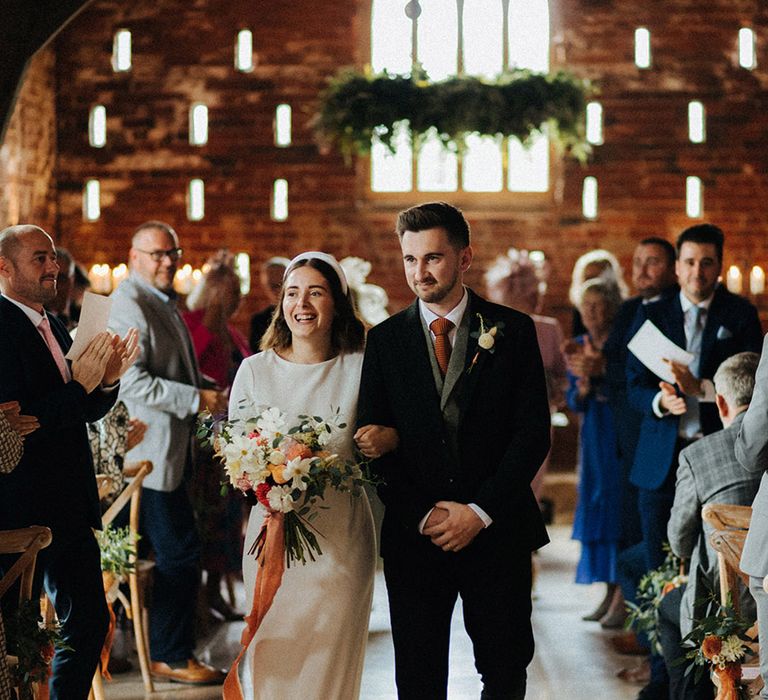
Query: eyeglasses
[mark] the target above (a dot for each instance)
(157, 255)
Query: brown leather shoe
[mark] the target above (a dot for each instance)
(628, 644)
(193, 672)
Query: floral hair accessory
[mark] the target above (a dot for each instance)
(486, 338)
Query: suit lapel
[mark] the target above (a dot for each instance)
(458, 362)
(475, 309)
(164, 313)
(677, 323)
(35, 348)
(711, 327)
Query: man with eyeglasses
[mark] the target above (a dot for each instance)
(164, 389)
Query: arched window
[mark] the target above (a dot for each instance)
(464, 37)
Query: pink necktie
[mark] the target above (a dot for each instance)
(441, 327)
(53, 345)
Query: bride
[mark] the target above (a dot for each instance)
(311, 643)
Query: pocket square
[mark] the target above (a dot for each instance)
(723, 333)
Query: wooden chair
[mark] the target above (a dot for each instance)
(28, 542)
(730, 524)
(134, 608)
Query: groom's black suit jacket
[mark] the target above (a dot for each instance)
(503, 432)
(54, 482)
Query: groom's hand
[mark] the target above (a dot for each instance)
(457, 529)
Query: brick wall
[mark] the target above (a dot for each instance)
(28, 153)
(183, 53)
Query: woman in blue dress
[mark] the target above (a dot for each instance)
(596, 522)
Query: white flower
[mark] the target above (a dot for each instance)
(295, 470)
(486, 341)
(279, 498)
(239, 456)
(324, 436)
(276, 457)
(271, 421)
(732, 648)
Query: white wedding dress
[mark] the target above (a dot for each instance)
(311, 643)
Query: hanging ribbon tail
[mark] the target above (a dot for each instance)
(107, 648)
(268, 579)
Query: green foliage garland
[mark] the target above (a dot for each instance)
(118, 550)
(358, 106)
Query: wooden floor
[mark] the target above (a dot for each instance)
(573, 658)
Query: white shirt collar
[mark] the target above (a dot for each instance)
(30, 313)
(454, 315)
(687, 304)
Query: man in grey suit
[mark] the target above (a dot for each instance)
(163, 390)
(752, 453)
(707, 473)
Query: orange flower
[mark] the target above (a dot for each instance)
(297, 449)
(711, 646)
(276, 470)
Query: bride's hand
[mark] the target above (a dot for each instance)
(376, 440)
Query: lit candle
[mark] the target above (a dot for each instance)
(197, 277)
(182, 282)
(733, 279)
(100, 277)
(757, 280)
(119, 273)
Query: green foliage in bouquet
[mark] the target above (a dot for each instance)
(32, 644)
(118, 550)
(720, 640)
(357, 107)
(644, 615)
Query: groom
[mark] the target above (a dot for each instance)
(461, 380)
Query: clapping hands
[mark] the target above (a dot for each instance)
(583, 360)
(105, 359)
(124, 354)
(23, 425)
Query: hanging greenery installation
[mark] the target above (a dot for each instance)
(359, 107)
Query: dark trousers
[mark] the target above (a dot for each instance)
(496, 596)
(70, 570)
(654, 506)
(682, 686)
(167, 527)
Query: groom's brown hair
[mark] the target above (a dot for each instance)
(435, 215)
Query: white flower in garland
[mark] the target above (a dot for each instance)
(732, 649)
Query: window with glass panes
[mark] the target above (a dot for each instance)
(460, 37)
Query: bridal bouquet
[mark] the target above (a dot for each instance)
(286, 467)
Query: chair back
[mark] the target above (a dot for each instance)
(27, 541)
(730, 524)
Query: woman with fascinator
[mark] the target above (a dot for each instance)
(311, 642)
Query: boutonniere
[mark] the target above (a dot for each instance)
(486, 338)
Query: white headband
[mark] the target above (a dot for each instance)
(326, 258)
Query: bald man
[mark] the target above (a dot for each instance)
(53, 483)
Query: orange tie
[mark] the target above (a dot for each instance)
(441, 327)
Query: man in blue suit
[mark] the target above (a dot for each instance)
(712, 324)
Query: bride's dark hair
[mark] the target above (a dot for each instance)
(347, 330)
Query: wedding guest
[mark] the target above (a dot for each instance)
(220, 348)
(64, 396)
(311, 642)
(598, 510)
(594, 263)
(163, 389)
(708, 472)
(712, 324)
(473, 427)
(752, 452)
(271, 279)
(653, 275)
(514, 281)
(13, 428)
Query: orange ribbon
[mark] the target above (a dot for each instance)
(105, 650)
(729, 677)
(268, 579)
